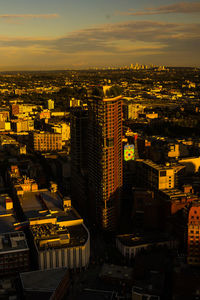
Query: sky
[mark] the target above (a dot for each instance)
(78, 34)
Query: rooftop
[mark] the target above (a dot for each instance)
(51, 236)
(176, 193)
(7, 217)
(45, 280)
(132, 240)
(6, 223)
(13, 241)
(35, 133)
(43, 204)
(117, 272)
(39, 201)
(168, 166)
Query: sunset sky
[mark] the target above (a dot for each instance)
(61, 34)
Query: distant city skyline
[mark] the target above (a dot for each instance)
(47, 34)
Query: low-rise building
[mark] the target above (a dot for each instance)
(14, 253)
(143, 293)
(49, 284)
(174, 199)
(57, 231)
(46, 141)
(158, 177)
(131, 244)
(25, 124)
(116, 274)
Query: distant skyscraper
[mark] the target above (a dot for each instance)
(105, 159)
(50, 104)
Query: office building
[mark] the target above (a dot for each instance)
(14, 250)
(174, 200)
(50, 104)
(25, 124)
(22, 109)
(46, 141)
(78, 129)
(75, 102)
(158, 177)
(57, 232)
(129, 245)
(14, 253)
(60, 127)
(105, 159)
(193, 257)
(4, 115)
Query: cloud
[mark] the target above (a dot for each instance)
(108, 36)
(178, 8)
(111, 43)
(28, 16)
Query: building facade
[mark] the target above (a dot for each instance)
(105, 159)
(78, 129)
(193, 257)
(47, 141)
(14, 253)
(158, 177)
(50, 104)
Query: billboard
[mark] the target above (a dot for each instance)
(129, 152)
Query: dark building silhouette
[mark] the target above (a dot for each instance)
(78, 129)
(105, 159)
(193, 256)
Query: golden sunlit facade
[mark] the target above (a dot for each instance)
(105, 159)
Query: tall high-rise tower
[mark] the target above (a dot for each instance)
(105, 159)
(78, 128)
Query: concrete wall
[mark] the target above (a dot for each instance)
(71, 257)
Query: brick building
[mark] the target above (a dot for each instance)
(46, 141)
(193, 256)
(105, 159)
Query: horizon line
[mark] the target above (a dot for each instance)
(94, 68)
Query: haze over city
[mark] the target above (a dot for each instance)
(47, 34)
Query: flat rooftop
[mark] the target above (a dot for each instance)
(93, 294)
(45, 280)
(133, 240)
(43, 204)
(116, 272)
(161, 167)
(40, 200)
(5, 139)
(13, 241)
(7, 217)
(51, 236)
(6, 223)
(176, 194)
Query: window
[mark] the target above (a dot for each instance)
(162, 173)
(110, 142)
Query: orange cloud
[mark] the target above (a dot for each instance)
(29, 16)
(178, 8)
